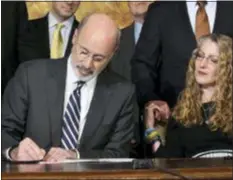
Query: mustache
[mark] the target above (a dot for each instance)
(82, 68)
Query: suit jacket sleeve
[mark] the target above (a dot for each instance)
(119, 142)
(146, 58)
(14, 109)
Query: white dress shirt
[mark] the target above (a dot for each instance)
(137, 31)
(87, 92)
(210, 8)
(65, 31)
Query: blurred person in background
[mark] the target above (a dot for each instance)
(129, 37)
(120, 63)
(51, 35)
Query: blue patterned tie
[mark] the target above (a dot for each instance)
(71, 119)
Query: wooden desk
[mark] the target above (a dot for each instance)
(193, 169)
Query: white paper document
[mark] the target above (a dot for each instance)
(114, 160)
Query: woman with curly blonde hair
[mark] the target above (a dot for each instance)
(201, 121)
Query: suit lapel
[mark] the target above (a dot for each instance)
(43, 32)
(69, 45)
(97, 109)
(55, 92)
(217, 22)
(130, 34)
(182, 9)
(126, 51)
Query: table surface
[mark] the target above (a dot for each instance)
(159, 169)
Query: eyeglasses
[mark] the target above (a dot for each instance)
(201, 56)
(84, 54)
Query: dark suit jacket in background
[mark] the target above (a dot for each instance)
(33, 107)
(14, 18)
(164, 48)
(34, 41)
(120, 63)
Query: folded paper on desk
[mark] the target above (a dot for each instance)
(113, 160)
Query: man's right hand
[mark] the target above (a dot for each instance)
(156, 110)
(27, 150)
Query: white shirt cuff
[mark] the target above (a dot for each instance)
(77, 153)
(7, 154)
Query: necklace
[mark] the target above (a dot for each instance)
(207, 112)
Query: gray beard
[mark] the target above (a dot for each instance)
(87, 78)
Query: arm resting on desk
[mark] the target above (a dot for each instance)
(14, 109)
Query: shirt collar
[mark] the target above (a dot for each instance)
(138, 26)
(53, 21)
(137, 31)
(194, 3)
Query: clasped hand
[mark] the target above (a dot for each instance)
(155, 111)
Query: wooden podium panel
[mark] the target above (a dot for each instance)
(162, 169)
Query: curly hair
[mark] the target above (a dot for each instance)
(188, 108)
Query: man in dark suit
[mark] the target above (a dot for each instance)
(129, 37)
(38, 38)
(165, 45)
(17, 17)
(71, 108)
(121, 60)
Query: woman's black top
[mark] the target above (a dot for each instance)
(187, 141)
